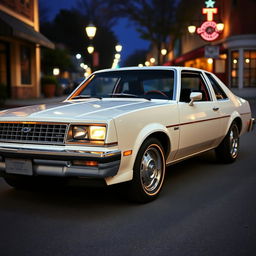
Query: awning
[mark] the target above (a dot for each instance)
(197, 53)
(10, 26)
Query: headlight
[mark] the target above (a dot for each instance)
(82, 132)
(97, 132)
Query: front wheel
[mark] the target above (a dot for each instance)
(228, 150)
(148, 172)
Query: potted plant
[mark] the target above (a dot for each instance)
(49, 85)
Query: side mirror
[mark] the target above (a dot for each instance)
(195, 96)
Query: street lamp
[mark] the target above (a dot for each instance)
(117, 56)
(119, 48)
(90, 49)
(78, 56)
(163, 52)
(220, 26)
(191, 29)
(56, 71)
(91, 31)
(152, 60)
(147, 63)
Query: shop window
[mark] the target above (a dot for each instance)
(250, 68)
(25, 63)
(234, 68)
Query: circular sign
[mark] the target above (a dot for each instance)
(208, 31)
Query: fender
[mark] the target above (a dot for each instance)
(146, 132)
(233, 116)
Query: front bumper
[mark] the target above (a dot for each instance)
(60, 163)
(251, 125)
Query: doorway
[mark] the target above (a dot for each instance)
(5, 85)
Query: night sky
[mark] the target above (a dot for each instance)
(125, 32)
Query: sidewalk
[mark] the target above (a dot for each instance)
(247, 93)
(11, 103)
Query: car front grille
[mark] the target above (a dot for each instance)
(36, 133)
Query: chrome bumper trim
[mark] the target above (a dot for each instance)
(28, 153)
(251, 125)
(59, 163)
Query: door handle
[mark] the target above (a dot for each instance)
(215, 109)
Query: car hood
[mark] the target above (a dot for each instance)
(78, 110)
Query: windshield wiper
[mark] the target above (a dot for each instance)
(85, 97)
(126, 95)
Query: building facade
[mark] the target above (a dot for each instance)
(20, 42)
(235, 61)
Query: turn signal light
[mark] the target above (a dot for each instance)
(127, 153)
(86, 163)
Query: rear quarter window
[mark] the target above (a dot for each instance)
(219, 93)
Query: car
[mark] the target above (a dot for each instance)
(124, 126)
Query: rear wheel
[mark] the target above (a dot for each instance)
(148, 172)
(228, 150)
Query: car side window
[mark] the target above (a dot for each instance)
(219, 93)
(193, 82)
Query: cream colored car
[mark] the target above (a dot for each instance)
(124, 125)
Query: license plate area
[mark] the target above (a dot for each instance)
(19, 166)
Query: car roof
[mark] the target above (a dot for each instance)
(178, 68)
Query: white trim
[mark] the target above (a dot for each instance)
(241, 68)
(241, 41)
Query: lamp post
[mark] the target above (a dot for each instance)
(119, 48)
(91, 32)
(90, 49)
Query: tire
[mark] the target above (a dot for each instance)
(228, 150)
(148, 172)
(19, 182)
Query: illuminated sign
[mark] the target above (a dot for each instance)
(210, 12)
(208, 30)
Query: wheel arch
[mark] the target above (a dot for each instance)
(238, 121)
(163, 139)
(235, 117)
(156, 131)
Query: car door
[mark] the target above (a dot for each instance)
(200, 123)
(222, 101)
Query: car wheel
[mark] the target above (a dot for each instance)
(228, 150)
(19, 182)
(148, 172)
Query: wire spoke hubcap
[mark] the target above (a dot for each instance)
(234, 141)
(151, 170)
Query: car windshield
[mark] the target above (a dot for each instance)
(149, 84)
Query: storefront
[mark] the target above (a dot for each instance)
(20, 42)
(234, 47)
(242, 61)
(4, 68)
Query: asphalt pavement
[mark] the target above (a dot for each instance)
(206, 208)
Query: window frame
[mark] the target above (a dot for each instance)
(218, 84)
(202, 76)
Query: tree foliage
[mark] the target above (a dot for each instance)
(68, 28)
(159, 21)
(56, 58)
(135, 58)
(154, 19)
